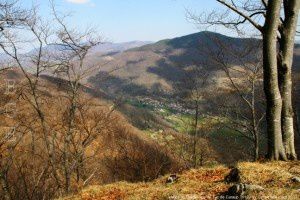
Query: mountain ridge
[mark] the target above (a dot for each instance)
(156, 67)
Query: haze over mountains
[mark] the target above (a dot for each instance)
(155, 68)
(98, 50)
(146, 68)
(109, 47)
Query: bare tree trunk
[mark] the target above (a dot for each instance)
(195, 135)
(297, 121)
(254, 121)
(274, 103)
(5, 188)
(256, 145)
(254, 127)
(67, 149)
(288, 31)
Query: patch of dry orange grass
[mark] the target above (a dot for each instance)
(275, 177)
(204, 183)
(200, 182)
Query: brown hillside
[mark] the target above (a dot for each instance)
(114, 149)
(156, 68)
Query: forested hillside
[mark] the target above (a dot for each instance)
(209, 115)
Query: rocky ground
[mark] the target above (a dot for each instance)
(275, 180)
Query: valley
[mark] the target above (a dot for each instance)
(192, 101)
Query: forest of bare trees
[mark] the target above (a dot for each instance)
(53, 144)
(57, 138)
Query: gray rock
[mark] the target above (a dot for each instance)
(249, 187)
(172, 179)
(239, 191)
(295, 179)
(242, 188)
(234, 176)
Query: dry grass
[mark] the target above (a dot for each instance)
(204, 183)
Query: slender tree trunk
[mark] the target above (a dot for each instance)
(5, 188)
(274, 102)
(255, 131)
(256, 145)
(254, 121)
(195, 135)
(67, 165)
(288, 31)
(80, 167)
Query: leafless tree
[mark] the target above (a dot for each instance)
(74, 48)
(242, 65)
(192, 88)
(16, 20)
(276, 21)
(11, 15)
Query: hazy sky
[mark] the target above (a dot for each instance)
(127, 20)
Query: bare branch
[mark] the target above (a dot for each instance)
(245, 16)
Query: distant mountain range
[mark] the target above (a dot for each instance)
(151, 70)
(102, 48)
(98, 52)
(155, 68)
(106, 48)
(147, 68)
